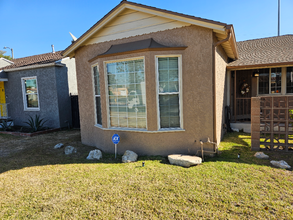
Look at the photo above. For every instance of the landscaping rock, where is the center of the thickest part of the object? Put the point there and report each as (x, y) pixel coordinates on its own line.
(69, 150)
(129, 156)
(261, 155)
(184, 160)
(281, 164)
(57, 146)
(235, 129)
(94, 154)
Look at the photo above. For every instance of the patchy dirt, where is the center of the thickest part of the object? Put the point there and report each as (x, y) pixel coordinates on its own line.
(10, 144)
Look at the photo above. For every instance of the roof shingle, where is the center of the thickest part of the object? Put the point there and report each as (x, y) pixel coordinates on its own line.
(35, 60)
(272, 50)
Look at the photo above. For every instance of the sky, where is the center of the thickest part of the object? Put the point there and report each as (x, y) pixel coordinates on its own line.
(30, 27)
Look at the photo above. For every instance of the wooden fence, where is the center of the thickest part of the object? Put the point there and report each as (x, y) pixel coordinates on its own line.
(272, 123)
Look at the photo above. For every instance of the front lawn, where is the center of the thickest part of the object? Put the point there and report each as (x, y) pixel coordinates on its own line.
(39, 182)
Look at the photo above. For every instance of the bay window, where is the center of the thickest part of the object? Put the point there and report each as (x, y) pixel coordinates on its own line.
(168, 70)
(126, 93)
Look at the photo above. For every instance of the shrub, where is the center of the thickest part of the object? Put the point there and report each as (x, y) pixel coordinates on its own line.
(36, 124)
(5, 125)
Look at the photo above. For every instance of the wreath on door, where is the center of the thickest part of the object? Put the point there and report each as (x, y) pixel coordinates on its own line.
(244, 89)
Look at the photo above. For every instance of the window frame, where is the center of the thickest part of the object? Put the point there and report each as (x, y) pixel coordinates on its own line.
(107, 93)
(286, 71)
(94, 94)
(270, 81)
(24, 94)
(180, 96)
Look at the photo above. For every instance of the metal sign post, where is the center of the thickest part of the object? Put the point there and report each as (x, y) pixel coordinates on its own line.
(115, 140)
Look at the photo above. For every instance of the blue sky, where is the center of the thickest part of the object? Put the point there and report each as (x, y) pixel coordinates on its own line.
(31, 26)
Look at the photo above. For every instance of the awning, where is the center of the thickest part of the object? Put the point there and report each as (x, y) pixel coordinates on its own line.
(136, 46)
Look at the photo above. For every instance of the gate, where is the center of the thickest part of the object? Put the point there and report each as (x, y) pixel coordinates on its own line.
(75, 111)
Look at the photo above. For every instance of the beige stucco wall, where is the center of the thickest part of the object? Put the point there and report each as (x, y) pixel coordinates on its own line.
(196, 98)
(221, 97)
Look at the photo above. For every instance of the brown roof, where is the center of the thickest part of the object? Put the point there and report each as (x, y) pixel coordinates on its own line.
(148, 7)
(34, 60)
(266, 51)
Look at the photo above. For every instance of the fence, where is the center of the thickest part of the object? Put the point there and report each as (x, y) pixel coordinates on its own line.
(272, 123)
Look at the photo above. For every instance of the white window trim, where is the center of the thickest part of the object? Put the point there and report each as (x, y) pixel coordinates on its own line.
(107, 95)
(180, 92)
(94, 94)
(24, 94)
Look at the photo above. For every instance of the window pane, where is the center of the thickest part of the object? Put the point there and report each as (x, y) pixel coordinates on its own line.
(127, 92)
(98, 110)
(30, 86)
(96, 80)
(97, 94)
(276, 80)
(263, 83)
(169, 111)
(289, 79)
(168, 74)
(32, 101)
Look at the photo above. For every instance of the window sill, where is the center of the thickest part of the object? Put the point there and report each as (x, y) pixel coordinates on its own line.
(162, 130)
(31, 110)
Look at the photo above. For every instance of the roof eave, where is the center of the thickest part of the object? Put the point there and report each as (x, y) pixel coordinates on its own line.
(33, 67)
(262, 65)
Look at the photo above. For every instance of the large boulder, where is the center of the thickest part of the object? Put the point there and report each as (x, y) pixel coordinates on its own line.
(129, 156)
(261, 155)
(57, 146)
(281, 164)
(94, 154)
(69, 150)
(184, 160)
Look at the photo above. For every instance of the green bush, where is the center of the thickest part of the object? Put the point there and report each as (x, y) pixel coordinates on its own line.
(36, 124)
(5, 125)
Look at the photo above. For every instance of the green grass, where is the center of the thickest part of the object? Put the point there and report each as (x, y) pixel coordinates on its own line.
(38, 182)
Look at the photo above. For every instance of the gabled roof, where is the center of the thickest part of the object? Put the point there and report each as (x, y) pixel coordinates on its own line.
(272, 51)
(41, 59)
(218, 27)
(6, 60)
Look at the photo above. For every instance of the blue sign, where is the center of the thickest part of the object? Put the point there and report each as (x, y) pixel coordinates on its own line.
(115, 139)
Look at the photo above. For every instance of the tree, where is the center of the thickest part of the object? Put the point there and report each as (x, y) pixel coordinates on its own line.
(2, 52)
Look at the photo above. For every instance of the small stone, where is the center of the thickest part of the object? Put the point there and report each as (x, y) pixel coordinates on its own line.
(57, 146)
(235, 129)
(261, 155)
(129, 156)
(94, 154)
(184, 160)
(69, 150)
(281, 164)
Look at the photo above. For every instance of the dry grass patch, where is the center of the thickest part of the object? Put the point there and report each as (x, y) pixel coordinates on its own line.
(42, 183)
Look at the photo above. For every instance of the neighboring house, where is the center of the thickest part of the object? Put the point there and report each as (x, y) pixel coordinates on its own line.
(265, 70)
(4, 62)
(38, 85)
(155, 77)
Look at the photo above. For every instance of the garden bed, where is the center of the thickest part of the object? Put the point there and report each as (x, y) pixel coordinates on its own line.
(26, 131)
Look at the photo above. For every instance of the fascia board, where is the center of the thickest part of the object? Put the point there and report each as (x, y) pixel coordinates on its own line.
(34, 67)
(214, 27)
(2, 58)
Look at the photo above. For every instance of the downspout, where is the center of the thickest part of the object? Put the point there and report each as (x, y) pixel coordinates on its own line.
(228, 29)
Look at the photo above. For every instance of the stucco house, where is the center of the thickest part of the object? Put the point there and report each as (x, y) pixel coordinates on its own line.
(41, 85)
(155, 77)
